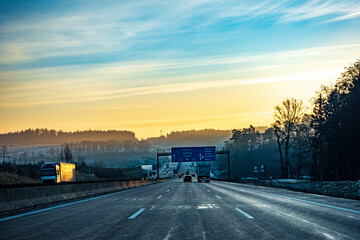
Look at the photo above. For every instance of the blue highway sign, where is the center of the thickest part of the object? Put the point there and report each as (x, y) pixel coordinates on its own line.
(193, 154)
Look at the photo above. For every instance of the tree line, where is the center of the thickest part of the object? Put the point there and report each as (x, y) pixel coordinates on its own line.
(321, 143)
(45, 136)
(114, 139)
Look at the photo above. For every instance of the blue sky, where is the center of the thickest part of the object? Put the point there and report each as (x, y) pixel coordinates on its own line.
(91, 52)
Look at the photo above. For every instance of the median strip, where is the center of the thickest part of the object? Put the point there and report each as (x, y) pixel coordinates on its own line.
(244, 213)
(137, 213)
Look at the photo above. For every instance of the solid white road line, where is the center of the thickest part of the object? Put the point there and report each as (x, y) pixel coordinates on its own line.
(218, 197)
(137, 213)
(244, 213)
(310, 202)
(65, 205)
(159, 197)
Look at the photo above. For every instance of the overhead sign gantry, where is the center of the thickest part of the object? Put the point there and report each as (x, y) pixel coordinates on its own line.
(193, 154)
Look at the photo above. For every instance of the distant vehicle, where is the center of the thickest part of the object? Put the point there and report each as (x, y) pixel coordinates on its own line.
(180, 176)
(187, 178)
(152, 174)
(203, 172)
(187, 172)
(193, 175)
(307, 177)
(57, 172)
(182, 173)
(146, 167)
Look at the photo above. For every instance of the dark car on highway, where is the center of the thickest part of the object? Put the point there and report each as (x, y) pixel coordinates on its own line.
(187, 178)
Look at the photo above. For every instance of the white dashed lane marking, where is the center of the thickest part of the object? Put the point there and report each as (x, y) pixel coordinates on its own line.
(244, 213)
(137, 213)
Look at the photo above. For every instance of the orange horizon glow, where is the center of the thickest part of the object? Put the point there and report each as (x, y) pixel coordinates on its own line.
(167, 66)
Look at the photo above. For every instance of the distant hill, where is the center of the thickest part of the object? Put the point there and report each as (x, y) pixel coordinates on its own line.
(193, 138)
(210, 137)
(45, 136)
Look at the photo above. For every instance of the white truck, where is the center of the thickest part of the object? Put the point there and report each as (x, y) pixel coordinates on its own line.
(57, 173)
(203, 172)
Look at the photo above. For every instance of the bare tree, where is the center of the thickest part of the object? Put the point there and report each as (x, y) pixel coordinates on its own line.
(287, 116)
(65, 154)
(4, 150)
(51, 153)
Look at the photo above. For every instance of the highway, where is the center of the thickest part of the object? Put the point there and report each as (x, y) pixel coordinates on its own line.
(177, 210)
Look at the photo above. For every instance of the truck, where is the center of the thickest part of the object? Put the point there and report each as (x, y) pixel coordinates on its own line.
(51, 173)
(203, 172)
(152, 175)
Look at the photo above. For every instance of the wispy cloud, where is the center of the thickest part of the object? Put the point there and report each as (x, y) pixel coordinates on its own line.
(114, 28)
(163, 89)
(122, 80)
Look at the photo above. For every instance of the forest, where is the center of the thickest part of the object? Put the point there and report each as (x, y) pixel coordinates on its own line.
(321, 143)
(108, 138)
(45, 136)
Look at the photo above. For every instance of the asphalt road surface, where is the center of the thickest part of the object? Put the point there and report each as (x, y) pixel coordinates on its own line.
(177, 210)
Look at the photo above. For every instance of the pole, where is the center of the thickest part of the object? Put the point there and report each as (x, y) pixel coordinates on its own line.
(228, 164)
(158, 167)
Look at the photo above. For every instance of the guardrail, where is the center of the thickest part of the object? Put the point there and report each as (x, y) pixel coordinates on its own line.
(19, 198)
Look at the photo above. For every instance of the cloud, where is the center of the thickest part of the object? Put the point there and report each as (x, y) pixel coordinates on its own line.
(163, 89)
(118, 26)
(102, 82)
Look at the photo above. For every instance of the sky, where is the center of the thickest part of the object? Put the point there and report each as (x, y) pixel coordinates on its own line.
(147, 66)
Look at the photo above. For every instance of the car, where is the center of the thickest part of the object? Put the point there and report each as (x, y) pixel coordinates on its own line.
(187, 178)
(193, 175)
(180, 176)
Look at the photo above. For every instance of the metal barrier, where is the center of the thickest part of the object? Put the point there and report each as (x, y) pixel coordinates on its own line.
(18, 198)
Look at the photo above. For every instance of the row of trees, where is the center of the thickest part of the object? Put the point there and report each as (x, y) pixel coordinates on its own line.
(335, 120)
(250, 148)
(322, 143)
(45, 136)
(111, 146)
(114, 137)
